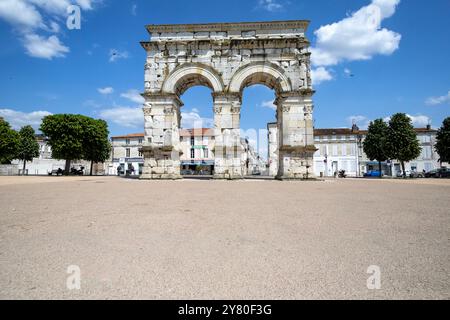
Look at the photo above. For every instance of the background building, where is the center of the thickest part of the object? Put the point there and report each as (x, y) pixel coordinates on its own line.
(342, 149)
(197, 151)
(197, 155)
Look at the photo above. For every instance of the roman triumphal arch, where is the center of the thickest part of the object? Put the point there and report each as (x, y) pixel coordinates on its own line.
(227, 57)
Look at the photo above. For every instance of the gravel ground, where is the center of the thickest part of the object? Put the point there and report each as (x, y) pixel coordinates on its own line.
(223, 240)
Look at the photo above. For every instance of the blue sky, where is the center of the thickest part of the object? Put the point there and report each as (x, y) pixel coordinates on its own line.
(400, 65)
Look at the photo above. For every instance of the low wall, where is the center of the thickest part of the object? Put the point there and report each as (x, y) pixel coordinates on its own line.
(9, 170)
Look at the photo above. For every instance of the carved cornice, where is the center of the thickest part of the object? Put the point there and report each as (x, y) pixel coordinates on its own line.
(223, 27)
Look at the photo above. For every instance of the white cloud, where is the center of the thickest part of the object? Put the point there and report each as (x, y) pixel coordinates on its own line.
(269, 104)
(434, 101)
(357, 37)
(21, 13)
(320, 74)
(29, 16)
(347, 72)
(18, 119)
(361, 121)
(193, 120)
(47, 48)
(134, 96)
(420, 120)
(134, 9)
(106, 90)
(115, 55)
(271, 5)
(129, 117)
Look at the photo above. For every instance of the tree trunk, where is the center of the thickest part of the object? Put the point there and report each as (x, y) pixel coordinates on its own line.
(92, 166)
(67, 169)
(403, 168)
(381, 172)
(24, 166)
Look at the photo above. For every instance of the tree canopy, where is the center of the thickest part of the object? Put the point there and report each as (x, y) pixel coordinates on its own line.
(28, 147)
(9, 141)
(75, 137)
(96, 144)
(443, 141)
(375, 142)
(402, 143)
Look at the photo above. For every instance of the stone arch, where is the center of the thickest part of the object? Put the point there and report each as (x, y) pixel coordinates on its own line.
(264, 73)
(192, 74)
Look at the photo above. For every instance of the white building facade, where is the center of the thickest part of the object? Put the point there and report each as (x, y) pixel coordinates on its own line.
(342, 149)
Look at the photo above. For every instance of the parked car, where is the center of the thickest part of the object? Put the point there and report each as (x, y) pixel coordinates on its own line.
(400, 173)
(443, 173)
(431, 174)
(372, 174)
(416, 174)
(57, 172)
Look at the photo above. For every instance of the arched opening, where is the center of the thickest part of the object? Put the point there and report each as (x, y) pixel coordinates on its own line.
(259, 85)
(196, 129)
(258, 117)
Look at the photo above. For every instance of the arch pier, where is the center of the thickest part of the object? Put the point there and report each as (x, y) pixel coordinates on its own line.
(227, 58)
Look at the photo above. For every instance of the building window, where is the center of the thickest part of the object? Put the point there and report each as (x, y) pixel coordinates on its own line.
(141, 140)
(127, 141)
(128, 152)
(192, 153)
(192, 141)
(140, 154)
(205, 153)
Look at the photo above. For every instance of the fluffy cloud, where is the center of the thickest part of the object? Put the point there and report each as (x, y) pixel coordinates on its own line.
(134, 96)
(47, 48)
(115, 55)
(128, 117)
(270, 5)
(434, 101)
(269, 104)
(18, 119)
(29, 17)
(106, 90)
(320, 74)
(420, 120)
(360, 36)
(361, 121)
(193, 120)
(20, 13)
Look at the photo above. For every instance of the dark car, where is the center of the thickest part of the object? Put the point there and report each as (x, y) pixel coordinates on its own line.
(431, 174)
(443, 173)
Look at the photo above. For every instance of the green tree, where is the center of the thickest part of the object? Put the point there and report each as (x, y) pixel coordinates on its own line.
(96, 144)
(402, 143)
(28, 146)
(443, 141)
(65, 134)
(375, 142)
(9, 142)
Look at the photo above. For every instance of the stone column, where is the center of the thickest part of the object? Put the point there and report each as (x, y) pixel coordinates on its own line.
(161, 148)
(296, 135)
(228, 148)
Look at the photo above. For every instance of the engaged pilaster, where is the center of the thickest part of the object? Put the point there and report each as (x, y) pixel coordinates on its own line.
(161, 148)
(228, 148)
(296, 136)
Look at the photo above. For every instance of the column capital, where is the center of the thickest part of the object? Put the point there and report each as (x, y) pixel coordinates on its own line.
(226, 96)
(158, 99)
